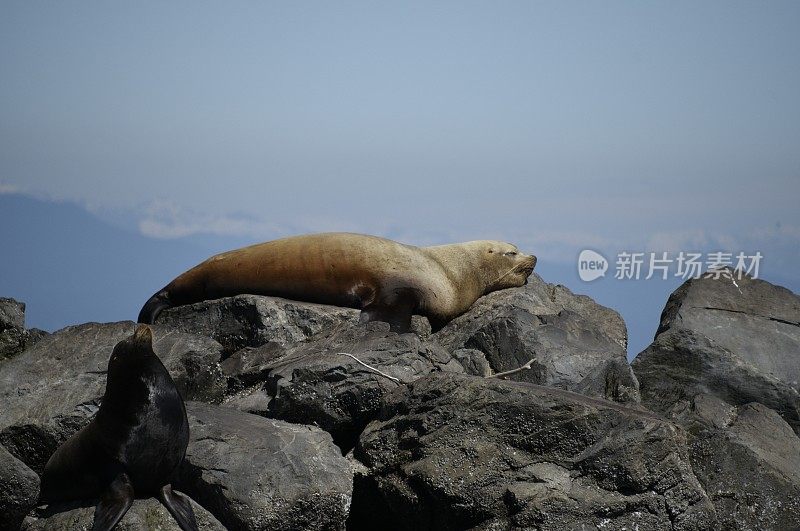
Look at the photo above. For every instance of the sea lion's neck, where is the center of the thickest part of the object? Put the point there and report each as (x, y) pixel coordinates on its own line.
(462, 267)
(128, 386)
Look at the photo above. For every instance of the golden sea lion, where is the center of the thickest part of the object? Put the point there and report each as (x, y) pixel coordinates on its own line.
(386, 280)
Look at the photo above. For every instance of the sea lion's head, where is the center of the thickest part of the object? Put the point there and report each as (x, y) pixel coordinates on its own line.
(138, 345)
(504, 266)
(123, 385)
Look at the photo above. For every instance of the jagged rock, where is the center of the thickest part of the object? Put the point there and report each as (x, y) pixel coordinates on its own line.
(458, 452)
(12, 342)
(748, 460)
(316, 382)
(54, 388)
(12, 313)
(473, 361)
(14, 338)
(577, 344)
(738, 339)
(254, 473)
(725, 365)
(145, 514)
(252, 320)
(19, 490)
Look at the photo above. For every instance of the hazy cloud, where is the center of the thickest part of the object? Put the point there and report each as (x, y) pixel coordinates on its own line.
(8, 188)
(167, 220)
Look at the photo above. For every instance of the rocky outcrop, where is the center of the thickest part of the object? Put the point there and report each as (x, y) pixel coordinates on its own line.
(457, 452)
(575, 343)
(19, 490)
(14, 338)
(748, 460)
(147, 514)
(252, 321)
(738, 340)
(262, 474)
(53, 389)
(725, 366)
(324, 381)
(278, 390)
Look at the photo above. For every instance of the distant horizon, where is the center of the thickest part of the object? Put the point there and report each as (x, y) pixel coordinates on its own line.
(117, 268)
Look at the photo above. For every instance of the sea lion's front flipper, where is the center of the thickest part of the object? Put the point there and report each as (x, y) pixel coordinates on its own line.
(116, 501)
(179, 507)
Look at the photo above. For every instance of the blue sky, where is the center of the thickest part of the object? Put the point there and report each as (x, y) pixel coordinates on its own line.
(555, 125)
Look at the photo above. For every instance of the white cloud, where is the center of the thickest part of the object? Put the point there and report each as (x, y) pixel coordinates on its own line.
(9, 189)
(165, 220)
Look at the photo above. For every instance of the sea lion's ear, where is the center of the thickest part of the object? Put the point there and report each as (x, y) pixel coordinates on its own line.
(143, 334)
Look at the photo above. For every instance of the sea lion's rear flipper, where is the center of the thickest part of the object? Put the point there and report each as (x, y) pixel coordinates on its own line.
(179, 507)
(116, 501)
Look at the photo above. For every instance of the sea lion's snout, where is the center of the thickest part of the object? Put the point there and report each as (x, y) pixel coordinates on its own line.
(528, 264)
(526, 267)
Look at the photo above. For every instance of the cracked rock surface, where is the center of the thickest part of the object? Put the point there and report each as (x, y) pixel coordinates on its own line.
(321, 382)
(725, 365)
(456, 452)
(263, 474)
(251, 320)
(737, 339)
(576, 344)
(748, 460)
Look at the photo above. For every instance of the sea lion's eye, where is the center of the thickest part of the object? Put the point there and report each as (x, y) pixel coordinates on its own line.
(511, 253)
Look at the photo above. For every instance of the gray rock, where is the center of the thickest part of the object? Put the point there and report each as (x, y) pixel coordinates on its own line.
(12, 313)
(748, 460)
(193, 363)
(252, 320)
(724, 364)
(144, 515)
(458, 452)
(14, 338)
(318, 382)
(19, 490)
(738, 341)
(12, 342)
(54, 388)
(473, 361)
(575, 343)
(254, 473)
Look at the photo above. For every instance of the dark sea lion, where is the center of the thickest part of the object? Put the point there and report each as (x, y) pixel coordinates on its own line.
(387, 280)
(133, 445)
